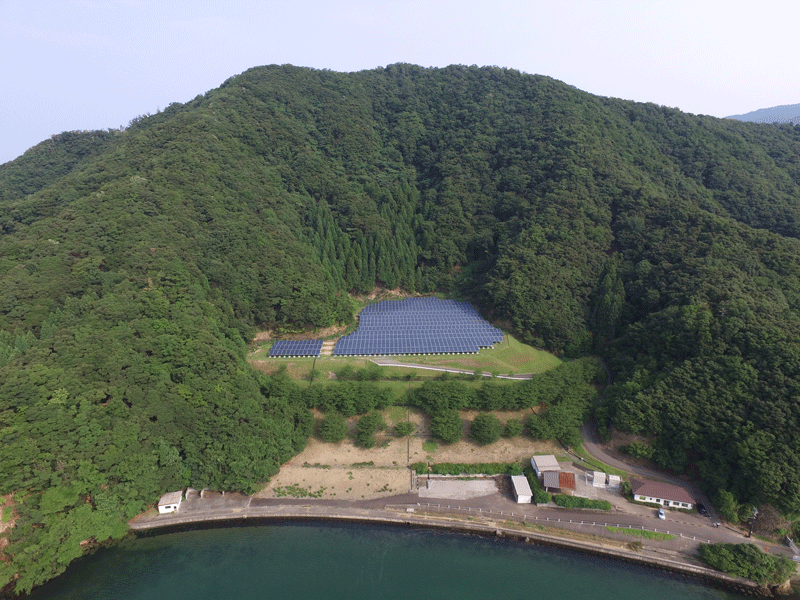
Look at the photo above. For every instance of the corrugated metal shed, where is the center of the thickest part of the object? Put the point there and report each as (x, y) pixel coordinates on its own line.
(550, 479)
(566, 480)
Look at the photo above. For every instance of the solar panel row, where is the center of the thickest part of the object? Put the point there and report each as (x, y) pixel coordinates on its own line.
(419, 326)
(295, 348)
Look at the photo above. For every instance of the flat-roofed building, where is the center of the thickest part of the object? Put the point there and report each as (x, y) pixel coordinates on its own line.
(522, 489)
(170, 502)
(544, 463)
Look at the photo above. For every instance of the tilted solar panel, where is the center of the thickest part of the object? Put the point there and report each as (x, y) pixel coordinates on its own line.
(425, 325)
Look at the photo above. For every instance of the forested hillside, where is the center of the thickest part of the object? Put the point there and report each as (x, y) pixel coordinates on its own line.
(135, 264)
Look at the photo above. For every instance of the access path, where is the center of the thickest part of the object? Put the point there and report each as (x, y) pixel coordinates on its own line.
(390, 362)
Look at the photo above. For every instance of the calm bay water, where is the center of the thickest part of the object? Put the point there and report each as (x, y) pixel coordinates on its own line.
(316, 561)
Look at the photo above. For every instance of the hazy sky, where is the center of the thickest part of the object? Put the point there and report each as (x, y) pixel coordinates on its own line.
(95, 64)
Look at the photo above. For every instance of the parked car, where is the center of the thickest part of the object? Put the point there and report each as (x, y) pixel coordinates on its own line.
(701, 508)
(661, 514)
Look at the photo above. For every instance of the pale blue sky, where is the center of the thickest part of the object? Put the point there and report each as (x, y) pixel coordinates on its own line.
(95, 64)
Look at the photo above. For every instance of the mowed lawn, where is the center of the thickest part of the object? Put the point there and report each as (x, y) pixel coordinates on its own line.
(508, 357)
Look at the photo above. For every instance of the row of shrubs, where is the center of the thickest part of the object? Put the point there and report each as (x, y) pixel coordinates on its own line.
(540, 496)
(333, 428)
(565, 501)
(468, 468)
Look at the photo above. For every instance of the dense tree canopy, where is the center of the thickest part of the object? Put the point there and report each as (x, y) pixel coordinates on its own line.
(134, 263)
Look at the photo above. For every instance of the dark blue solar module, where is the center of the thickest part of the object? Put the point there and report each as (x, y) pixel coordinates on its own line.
(295, 348)
(418, 326)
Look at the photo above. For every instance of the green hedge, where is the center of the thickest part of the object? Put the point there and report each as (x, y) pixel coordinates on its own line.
(469, 468)
(540, 496)
(578, 502)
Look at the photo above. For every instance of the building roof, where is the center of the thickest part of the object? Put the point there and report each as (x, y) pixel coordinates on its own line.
(170, 498)
(521, 485)
(659, 489)
(566, 480)
(599, 479)
(547, 462)
(550, 479)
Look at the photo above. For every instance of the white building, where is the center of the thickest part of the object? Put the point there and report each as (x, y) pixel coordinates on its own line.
(658, 492)
(546, 462)
(522, 489)
(170, 502)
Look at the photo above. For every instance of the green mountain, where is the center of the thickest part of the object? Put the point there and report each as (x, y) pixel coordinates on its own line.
(134, 265)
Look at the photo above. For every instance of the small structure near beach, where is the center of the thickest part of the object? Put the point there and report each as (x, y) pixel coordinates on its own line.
(170, 502)
(522, 489)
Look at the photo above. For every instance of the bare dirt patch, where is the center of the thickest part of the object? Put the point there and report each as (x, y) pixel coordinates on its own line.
(346, 472)
(316, 334)
(262, 336)
(7, 520)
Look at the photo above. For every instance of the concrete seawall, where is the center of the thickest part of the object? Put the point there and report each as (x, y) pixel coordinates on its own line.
(243, 513)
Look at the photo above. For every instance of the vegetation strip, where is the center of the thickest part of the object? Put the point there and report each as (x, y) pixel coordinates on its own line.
(642, 533)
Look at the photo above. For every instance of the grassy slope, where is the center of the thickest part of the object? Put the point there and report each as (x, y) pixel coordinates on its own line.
(511, 356)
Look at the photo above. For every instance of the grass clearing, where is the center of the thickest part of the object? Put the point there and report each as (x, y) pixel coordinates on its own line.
(509, 357)
(398, 413)
(430, 446)
(642, 533)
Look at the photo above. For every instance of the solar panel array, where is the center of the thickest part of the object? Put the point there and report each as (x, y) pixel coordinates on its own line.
(295, 348)
(418, 326)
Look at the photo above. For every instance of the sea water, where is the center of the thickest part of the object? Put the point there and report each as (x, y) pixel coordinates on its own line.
(313, 560)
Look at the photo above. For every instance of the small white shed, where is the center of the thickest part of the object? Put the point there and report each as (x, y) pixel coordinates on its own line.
(599, 479)
(170, 502)
(522, 489)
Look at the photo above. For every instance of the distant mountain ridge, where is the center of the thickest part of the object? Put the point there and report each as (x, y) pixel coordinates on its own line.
(786, 113)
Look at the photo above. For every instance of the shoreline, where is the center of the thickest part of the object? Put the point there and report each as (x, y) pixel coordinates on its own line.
(393, 517)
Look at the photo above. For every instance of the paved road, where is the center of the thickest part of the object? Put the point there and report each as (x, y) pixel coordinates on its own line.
(595, 447)
(390, 362)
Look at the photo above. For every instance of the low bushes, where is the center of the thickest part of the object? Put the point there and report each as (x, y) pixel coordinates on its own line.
(486, 429)
(367, 427)
(333, 428)
(747, 560)
(578, 502)
(469, 468)
(540, 496)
